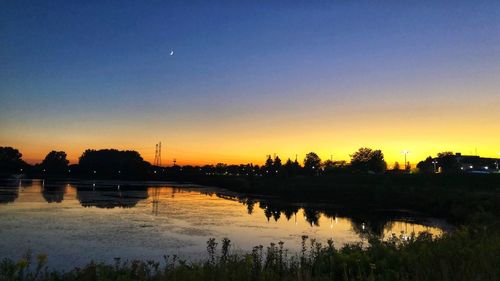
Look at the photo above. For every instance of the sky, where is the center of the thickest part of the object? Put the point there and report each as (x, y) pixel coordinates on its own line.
(250, 78)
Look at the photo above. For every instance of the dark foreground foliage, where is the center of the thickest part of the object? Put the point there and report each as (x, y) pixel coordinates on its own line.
(471, 253)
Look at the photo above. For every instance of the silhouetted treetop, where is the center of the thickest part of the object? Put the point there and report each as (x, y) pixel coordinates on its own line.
(55, 162)
(368, 160)
(312, 163)
(10, 160)
(112, 162)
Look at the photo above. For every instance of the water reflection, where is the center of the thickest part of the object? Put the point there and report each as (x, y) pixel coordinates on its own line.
(54, 193)
(110, 198)
(138, 219)
(364, 221)
(9, 191)
(108, 195)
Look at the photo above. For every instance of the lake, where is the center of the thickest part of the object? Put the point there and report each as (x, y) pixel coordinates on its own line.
(74, 222)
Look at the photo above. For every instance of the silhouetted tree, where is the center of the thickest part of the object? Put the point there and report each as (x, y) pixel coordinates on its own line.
(312, 163)
(426, 166)
(396, 166)
(408, 167)
(368, 160)
(10, 161)
(268, 166)
(112, 163)
(292, 168)
(328, 164)
(277, 165)
(55, 162)
(220, 168)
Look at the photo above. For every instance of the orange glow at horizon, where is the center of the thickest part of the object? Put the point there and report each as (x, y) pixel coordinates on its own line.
(250, 143)
(232, 134)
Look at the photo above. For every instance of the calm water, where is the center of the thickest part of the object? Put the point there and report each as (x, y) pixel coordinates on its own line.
(74, 222)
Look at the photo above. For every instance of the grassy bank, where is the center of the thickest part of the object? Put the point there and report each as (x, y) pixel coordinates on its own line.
(454, 197)
(466, 254)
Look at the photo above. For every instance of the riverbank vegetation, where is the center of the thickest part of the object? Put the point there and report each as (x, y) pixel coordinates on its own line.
(469, 253)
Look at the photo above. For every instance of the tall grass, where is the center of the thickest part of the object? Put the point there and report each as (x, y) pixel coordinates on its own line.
(469, 253)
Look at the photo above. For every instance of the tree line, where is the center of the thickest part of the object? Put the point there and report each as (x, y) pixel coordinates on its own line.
(112, 163)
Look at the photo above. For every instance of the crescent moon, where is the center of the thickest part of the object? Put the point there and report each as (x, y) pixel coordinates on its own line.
(171, 53)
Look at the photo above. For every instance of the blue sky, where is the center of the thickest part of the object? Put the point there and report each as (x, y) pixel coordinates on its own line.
(93, 66)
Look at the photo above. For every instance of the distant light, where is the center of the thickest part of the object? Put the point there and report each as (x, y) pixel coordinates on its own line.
(119, 172)
(486, 168)
(470, 167)
(69, 171)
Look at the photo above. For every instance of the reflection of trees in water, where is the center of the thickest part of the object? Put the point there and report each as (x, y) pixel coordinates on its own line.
(367, 228)
(364, 221)
(312, 216)
(54, 193)
(8, 194)
(270, 211)
(250, 204)
(111, 198)
(9, 191)
(275, 209)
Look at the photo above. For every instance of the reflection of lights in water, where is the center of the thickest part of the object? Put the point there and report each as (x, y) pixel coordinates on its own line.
(363, 226)
(336, 220)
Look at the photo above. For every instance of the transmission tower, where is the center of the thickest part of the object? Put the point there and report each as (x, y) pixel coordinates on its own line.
(157, 161)
(156, 155)
(159, 154)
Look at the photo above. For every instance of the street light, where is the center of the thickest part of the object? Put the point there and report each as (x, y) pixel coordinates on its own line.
(405, 152)
(434, 162)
